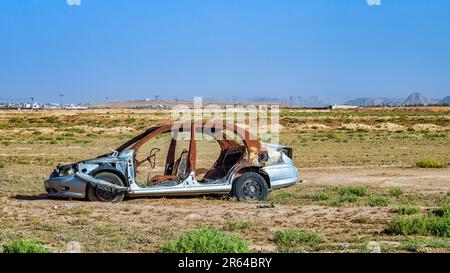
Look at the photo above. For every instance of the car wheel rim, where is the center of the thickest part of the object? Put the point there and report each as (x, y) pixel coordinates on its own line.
(252, 189)
(105, 194)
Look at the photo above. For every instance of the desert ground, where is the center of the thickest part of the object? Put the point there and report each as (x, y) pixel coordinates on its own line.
(366, 178)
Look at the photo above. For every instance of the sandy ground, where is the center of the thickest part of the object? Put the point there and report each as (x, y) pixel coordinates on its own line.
(336, 224)
(418, 180)
(428, 180)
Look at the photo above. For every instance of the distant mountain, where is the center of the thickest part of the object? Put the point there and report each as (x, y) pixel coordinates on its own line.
(312, 101)
(262, 99)
(445, 101)
(415, 99)
(380, 101)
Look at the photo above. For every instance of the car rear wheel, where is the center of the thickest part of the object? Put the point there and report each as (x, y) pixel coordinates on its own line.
(250, 186)
(105, 194)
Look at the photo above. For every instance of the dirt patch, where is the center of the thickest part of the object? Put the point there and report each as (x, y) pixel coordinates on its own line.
(391, 127)
(410, 178)
(427, 127)
(356, 126)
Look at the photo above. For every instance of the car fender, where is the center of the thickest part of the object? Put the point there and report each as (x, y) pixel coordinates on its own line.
(250, 168)
(111, 170)
(94, 181)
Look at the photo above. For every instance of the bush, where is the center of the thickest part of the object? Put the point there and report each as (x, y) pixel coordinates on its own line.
(51, 119)
(406, 225)
(349, 194)
(430, 164)
(414, 244)
(237, 224)
(282, 197)
(289, 240)
(379, 201)
(2, 164)
(24, 246)
(407, 210)
(436, 223)
(362, 219)
(410, 245)
(206, 240)
(396, 192)
(323, 196)
(434, 135)
(346, 198)
(359, 191)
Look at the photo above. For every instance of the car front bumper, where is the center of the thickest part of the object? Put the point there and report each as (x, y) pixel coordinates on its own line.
(65, 186)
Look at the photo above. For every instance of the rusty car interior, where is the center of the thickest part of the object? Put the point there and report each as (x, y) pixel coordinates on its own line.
(177, 158)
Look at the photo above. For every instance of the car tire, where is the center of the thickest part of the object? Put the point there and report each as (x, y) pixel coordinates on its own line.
(95, 193)
(250, 187)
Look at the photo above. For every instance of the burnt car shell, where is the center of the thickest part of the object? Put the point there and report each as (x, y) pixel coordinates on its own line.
(271, 163)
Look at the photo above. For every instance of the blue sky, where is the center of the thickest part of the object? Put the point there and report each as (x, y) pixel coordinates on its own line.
(133, 49)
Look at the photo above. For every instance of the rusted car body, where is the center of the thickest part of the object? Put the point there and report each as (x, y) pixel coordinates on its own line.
(247, 169)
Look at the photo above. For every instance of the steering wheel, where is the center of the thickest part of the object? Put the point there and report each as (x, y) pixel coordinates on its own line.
(151, 158)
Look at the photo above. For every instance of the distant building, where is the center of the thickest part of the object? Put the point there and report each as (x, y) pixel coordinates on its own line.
(343, 107)
(35, 106)
(75, 107)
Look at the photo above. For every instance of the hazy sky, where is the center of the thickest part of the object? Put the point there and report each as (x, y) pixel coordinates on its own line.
(128, 49)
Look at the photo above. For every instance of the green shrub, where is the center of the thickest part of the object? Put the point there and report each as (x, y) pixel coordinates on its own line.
(410, 245)
(396, 192)
(24, 246)
(237, 224)
(51, 119)
(290, 240)
(348, 194)
(346, 198)
(379, 201)
(359, 191)
(2, 164)
(439, 226)
(206, 240)
(362, 219)
(434, 135)
(332, 136)
(130, 120)
(430, 164)
(15, 120)
(323, 196)
(76, 130)
(436, 223)
(282, 197)
(415, 243)
(407, 210)
(406, 225)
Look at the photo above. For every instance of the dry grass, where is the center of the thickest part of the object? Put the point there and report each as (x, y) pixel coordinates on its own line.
(360, 179)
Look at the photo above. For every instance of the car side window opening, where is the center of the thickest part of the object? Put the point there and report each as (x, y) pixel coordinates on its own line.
(161, 159)
(229, 154)
(208, 151)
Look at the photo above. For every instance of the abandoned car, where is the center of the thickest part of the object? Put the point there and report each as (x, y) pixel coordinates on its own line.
(159, 162)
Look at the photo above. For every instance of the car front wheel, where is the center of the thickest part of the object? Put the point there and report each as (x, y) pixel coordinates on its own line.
(250, 186)
(105, 194)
